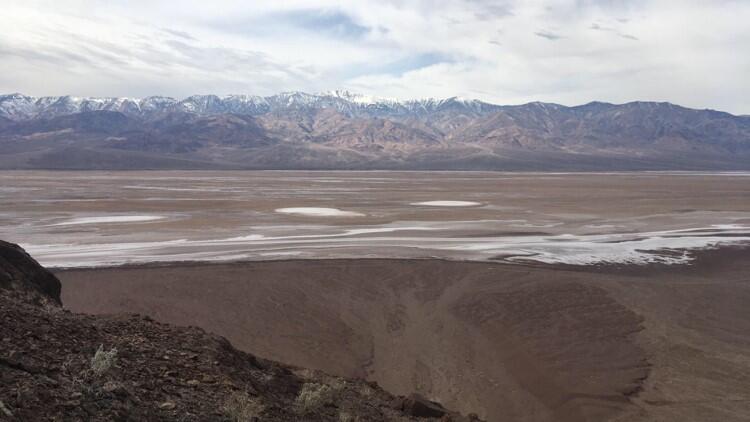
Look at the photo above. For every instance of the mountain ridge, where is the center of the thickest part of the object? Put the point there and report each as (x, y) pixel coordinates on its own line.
(341, 130)
(18, 106)
(33, 106)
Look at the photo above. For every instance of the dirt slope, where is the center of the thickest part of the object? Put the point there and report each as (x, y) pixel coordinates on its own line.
(57, 365)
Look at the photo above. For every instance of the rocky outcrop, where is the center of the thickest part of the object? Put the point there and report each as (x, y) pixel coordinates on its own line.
(419, 406)
(57, 365)
(21, 275)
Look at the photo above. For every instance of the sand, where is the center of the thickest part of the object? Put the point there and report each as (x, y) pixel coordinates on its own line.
(510, 342)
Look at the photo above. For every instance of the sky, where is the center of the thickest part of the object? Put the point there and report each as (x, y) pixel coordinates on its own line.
(693, 53)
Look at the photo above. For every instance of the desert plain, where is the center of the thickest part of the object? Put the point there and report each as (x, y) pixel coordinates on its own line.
(517, 296)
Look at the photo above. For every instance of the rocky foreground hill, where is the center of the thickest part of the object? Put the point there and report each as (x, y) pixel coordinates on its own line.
(340, 130)
(57, 365)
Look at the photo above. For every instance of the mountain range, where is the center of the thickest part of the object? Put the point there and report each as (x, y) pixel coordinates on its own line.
(341, 130)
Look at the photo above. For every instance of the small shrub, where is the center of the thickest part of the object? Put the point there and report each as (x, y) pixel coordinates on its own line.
(337, 384)
(305, 373)
(345, 416)
(5, 411)
(366, 391)
(103, 361)
(240, 407)
(313, 396)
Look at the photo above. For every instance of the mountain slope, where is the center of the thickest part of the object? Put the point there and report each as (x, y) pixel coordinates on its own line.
(341, 130)
(56, 365)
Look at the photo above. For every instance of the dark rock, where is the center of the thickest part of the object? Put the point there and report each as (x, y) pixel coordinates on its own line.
(21, 273)
(416, 405)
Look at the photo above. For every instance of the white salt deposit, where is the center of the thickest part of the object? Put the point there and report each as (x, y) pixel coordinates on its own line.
(110, 219)
(319, 212)
(447, 203)
(663, 247)
(288, 253)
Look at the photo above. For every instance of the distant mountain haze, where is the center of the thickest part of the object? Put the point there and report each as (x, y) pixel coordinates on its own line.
(340, 130)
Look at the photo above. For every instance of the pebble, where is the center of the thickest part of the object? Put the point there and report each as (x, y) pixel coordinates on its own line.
(167, 405)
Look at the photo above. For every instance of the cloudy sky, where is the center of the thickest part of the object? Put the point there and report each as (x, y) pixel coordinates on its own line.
(695, 53)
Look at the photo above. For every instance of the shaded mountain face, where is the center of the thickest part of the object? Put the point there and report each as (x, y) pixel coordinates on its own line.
(57, 365)
(340, 130)
(24, 279)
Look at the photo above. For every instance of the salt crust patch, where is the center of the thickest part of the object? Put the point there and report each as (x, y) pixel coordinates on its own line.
(319, 212)
(110, 219)
(657, 247)
(447, 203)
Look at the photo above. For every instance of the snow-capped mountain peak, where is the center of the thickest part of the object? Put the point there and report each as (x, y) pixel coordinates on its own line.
(20, 107)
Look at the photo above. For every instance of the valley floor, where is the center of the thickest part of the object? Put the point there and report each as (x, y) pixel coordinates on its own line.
(509, 342)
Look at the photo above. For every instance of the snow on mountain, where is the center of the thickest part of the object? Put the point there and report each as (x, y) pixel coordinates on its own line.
(340, 129)
(16, 106)
(21, 107)
(156, 103)
(355, 97)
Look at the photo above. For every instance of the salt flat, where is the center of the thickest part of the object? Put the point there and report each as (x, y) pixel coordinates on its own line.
(550, 300)
(110, 219)
(319, 212)
(663, 247)
(447, 203)
(75, 219)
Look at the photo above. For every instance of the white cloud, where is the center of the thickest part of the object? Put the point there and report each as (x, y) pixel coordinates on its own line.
(693, 53)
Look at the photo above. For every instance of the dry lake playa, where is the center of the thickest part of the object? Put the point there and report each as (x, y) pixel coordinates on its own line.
(518, 296)
(84, 219)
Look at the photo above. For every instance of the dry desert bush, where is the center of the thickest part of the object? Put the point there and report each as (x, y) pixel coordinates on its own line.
(313, 396)
(103, 360)
(240, 407)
